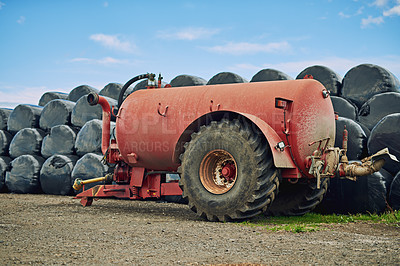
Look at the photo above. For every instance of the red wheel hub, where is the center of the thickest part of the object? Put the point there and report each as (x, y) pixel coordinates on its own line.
(229, 171)
(218, 171)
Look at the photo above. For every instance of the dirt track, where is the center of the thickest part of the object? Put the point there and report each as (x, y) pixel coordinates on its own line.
(43, 229)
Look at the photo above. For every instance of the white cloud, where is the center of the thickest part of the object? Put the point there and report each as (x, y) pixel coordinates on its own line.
(113, 42)
(365, 22)
(380, 3)
(102, 61)
(1, 5)
(188, 34)
(21, 20)
(358, 12)
(343, 15)
(394, 11)
(251, 48)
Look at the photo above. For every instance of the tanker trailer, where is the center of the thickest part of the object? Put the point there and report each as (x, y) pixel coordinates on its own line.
(240, 149)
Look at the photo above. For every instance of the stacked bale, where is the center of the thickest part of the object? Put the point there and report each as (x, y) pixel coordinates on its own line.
(60, 140)
(226, 78)
(24, 116)
(80, 91)
(379, 106)
(4, 114)
(52, 95)
(24, 171)
(187, 80)
(29, 132)
(345, 108)
(329, 78)
(4, 167)
(270, 74)
(26, 141)
(89, 166)
(394, 193)
(387, 134)
(368, 94)
(89, 138)
(366, 80)
(111, 90)
(5, 140)
(23, 177)
(56, 112)
(84, 112)
(55, 174)
(357, 139)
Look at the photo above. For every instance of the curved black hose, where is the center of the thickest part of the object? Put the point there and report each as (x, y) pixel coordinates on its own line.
(126, 86)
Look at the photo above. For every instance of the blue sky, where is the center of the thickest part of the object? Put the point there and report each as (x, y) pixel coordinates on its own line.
(48, 45)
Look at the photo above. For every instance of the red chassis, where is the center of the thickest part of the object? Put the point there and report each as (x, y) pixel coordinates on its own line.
(141, 186)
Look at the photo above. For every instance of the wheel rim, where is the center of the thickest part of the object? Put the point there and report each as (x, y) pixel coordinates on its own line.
(218, 171)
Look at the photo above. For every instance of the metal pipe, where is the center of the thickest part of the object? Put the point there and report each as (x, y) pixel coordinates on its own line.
(78, 184)
(93, 99)
(356, 169)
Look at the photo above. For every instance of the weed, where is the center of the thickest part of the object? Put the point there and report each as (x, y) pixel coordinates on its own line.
(313, 221)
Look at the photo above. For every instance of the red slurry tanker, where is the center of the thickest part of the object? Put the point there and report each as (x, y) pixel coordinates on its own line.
(240, 149)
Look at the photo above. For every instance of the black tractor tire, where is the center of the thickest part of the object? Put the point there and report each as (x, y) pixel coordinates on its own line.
(246, 193)
(298, 199)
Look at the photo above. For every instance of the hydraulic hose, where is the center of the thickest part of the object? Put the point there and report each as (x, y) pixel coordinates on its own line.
(126, 86)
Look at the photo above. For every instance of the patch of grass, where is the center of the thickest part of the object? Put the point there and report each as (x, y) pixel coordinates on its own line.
(313, 221)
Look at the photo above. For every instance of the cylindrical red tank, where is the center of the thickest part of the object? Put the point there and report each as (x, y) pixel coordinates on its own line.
(150, 122)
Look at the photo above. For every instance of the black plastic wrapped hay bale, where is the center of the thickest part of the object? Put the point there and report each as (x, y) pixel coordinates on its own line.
(4, 167)
(329, 78)
(60, 140)
(56, 112)
(4, 114)
(88, 167)
(394, 193)
(226, 78)
(378, 107)
(387, 134)
(89, 138)
(80, 91)
(111, 90)
(366, 80)
(344, 108)
(26, 141)
(357, 139)
(52, 95)
(366, 195)
(24, 174)
(24, 116)
(366, 130)
(270, 74)
(55, 175)
(83, 112)
(187, 80)
(388, 177)
(5, 140)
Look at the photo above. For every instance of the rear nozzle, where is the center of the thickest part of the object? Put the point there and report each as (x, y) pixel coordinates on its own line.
(93, 98)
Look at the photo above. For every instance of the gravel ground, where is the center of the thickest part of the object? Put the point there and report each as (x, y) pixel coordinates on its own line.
(44, 229)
